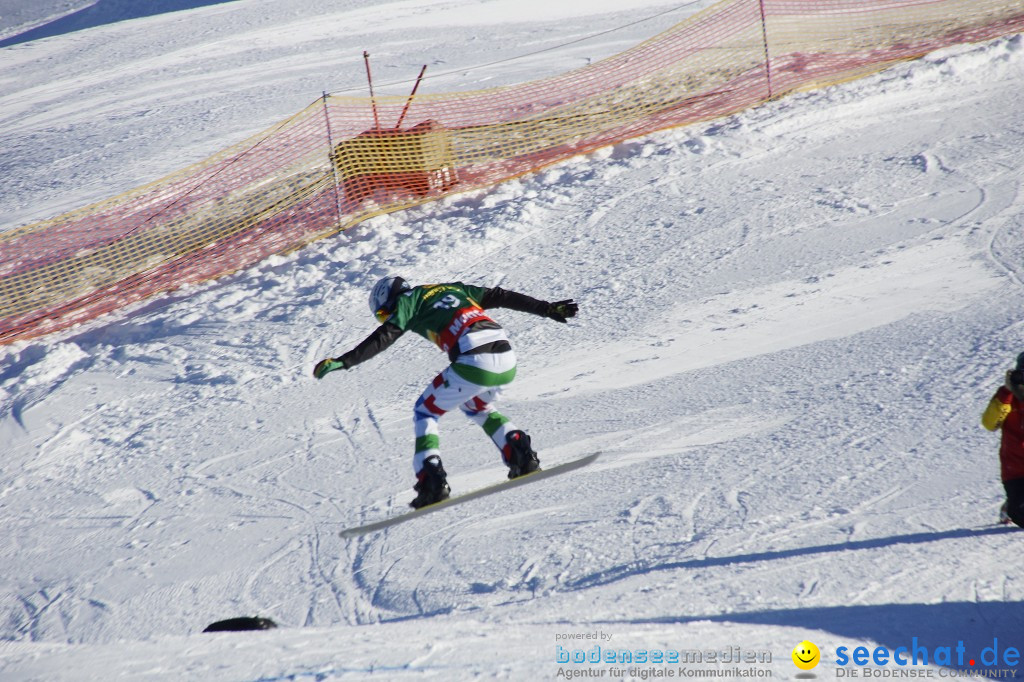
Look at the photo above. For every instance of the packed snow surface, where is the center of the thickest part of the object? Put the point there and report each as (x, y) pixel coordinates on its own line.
(790, 322)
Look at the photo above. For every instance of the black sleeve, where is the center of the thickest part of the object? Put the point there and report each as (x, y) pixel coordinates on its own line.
(500, 298)
(382, 337)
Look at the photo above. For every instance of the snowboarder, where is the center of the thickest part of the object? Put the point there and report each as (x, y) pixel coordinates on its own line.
(1006, 410)
(482, 362)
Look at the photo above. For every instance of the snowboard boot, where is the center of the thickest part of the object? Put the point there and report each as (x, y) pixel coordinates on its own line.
(431, 483)
(520, 457)
(1004, 517)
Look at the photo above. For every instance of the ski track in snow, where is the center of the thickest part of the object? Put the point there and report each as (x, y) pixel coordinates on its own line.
(790, 322)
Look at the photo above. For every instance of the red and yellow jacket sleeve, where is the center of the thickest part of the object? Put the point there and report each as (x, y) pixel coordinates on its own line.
(998, 409)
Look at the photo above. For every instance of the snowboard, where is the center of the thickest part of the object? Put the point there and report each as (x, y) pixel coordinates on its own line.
(472, 495)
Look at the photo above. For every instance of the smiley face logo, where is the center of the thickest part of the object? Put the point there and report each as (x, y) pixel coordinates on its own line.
(806, 655)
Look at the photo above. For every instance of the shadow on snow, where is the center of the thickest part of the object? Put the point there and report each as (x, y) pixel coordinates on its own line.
(976, 624)
(104, 12)
(624, 571)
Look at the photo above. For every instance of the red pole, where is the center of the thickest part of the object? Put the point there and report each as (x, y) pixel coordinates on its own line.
(373, 101)
(412, 94)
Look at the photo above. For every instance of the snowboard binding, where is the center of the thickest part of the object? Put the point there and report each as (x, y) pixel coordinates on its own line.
(431, 484)
(519, 456)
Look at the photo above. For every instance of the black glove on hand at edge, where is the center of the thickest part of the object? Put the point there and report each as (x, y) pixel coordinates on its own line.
(560, 311)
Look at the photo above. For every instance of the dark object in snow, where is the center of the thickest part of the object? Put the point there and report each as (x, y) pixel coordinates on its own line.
(240, 624)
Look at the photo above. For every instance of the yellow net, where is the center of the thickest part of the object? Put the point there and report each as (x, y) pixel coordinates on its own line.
(343, 159)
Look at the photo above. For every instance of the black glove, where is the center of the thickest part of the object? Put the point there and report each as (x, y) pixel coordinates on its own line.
(561, 310)
(328, 365)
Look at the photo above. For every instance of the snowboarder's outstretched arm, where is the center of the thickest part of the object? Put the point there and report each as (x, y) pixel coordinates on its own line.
(497, 297)
(381, 338)
(408, 312)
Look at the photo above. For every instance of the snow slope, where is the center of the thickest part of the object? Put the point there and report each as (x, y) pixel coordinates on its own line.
(790, 322)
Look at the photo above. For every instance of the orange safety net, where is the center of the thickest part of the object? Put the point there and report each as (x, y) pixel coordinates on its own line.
(344, 159)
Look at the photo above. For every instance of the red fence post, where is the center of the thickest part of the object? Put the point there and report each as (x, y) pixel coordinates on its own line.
(405, 110)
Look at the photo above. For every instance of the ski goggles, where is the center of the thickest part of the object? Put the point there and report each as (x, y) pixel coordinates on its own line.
(383, 314)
